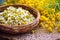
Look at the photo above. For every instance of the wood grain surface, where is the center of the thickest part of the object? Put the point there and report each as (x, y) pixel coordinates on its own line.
(40, 34)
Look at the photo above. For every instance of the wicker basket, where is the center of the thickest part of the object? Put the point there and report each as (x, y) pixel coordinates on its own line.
(21, 28)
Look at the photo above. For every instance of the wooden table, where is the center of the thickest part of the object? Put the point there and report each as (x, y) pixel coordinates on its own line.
(40, 34)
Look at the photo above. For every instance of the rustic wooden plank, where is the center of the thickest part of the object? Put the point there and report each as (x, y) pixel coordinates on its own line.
(40, 34)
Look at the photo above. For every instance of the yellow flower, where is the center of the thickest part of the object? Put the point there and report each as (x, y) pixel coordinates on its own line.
(53, 10)
(12, 18)
(33, 31)
(19, 19)
(41, 24)
(46, 25)
(15, 14)
(23, 22)
(51, 25)
(50, 29)
(53, 19)
(43, 18)
(5, 3)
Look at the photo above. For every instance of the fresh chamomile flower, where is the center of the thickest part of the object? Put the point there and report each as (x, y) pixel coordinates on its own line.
(16, 16)
(19, 9)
